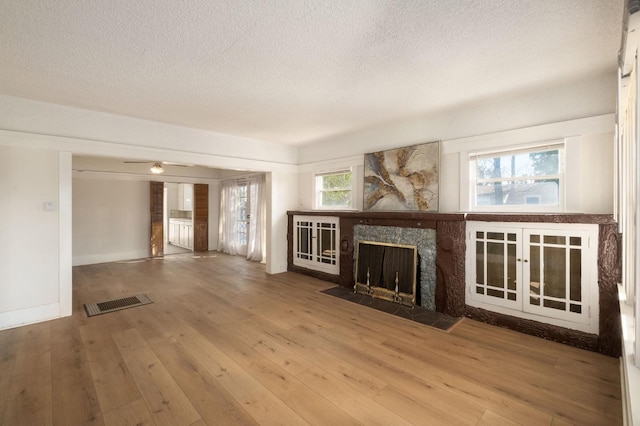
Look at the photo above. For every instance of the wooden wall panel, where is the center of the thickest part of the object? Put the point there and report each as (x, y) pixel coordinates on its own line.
(156, 207)
(201, 217)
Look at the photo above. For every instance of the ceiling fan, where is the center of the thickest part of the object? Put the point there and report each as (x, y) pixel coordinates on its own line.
(156, 167)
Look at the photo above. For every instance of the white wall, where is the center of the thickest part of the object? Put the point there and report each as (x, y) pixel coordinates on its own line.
(172, 196)
(137, 135)
(282, 195)
(586, 97)
(33, 284)
(111, 220)
(589, 179)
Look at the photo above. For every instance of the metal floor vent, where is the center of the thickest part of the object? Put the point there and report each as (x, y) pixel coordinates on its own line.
(116, 305)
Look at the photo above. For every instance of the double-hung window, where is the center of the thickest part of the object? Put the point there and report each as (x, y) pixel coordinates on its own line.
(334, 190)
(530, 179)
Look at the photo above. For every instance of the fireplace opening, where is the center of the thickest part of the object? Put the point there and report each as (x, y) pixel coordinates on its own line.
(387, 271)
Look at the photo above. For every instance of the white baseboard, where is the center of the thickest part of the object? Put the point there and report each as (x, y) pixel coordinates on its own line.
(20, 317)
(109, 257)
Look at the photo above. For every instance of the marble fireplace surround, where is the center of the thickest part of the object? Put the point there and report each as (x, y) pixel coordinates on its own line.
(423, 239)
(449, 294)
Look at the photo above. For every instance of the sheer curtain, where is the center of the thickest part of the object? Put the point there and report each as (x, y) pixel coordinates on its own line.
(256, 244)
(228, 239)
(228, 227)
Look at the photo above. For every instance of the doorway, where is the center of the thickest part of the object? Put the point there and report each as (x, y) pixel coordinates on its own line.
(179, 218)
(242, 217)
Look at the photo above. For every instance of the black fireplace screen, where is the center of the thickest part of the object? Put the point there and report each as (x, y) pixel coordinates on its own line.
(387, 271)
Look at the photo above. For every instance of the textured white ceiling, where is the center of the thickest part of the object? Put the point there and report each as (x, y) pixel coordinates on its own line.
(293, 71)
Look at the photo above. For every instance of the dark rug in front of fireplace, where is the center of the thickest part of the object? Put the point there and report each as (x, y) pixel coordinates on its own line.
(417, 314)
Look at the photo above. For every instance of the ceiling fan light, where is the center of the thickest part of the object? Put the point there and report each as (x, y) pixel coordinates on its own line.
(157, 168)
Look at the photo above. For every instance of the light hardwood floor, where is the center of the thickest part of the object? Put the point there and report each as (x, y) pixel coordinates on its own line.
(225, 343)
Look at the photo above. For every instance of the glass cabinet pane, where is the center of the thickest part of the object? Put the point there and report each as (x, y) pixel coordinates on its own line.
(555, 272)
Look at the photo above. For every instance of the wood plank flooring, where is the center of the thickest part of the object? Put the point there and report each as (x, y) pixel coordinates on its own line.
(226, 344)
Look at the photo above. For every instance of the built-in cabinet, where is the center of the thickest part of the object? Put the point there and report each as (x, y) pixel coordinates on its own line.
(546, 272)
(181, 233)
(185, 196)
(315, 243)
(554, 276)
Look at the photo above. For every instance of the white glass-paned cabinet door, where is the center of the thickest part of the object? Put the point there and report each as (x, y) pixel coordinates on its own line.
(315, 243)
(558, 267)
(495, 275)
(545, 272)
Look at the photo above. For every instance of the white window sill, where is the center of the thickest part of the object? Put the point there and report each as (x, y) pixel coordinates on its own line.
(630, 374)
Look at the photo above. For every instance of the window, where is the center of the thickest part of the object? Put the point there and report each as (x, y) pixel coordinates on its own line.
(334, 190)
(543, 272)
(518, 180)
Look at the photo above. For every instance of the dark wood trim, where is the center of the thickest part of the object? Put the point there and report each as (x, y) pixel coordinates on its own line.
(156, 207)
(200, 217)
(596, 219)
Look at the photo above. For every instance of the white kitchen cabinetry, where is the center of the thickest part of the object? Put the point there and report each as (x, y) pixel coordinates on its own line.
(181, 233)
(315, 243)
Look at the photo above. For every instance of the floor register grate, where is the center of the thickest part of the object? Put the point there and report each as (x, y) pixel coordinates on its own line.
(93, 309)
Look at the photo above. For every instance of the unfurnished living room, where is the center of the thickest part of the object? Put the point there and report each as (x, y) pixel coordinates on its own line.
(319, 212)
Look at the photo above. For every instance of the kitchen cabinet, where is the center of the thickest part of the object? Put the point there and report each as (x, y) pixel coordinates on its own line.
(181, 233)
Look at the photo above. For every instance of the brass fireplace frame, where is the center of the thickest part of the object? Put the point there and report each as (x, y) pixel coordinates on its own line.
(392, 295)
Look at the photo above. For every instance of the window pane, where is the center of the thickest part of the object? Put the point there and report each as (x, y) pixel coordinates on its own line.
(495, 293)
(336, 198)
(554, 239)
(554, 304)
(513, 193)
(511, 267)
(334, 190)
(534, 270)
(480, 262)
(555, 272)
(575, 275)
(495, 264)
(522, 164)
(519, 178)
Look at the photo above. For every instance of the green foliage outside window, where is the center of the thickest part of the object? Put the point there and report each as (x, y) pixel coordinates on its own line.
(335, 190)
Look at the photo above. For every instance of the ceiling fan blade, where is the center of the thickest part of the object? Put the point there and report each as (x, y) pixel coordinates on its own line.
(169, 163)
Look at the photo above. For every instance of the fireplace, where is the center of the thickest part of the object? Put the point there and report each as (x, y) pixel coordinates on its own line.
(419, 241)
(387, 271)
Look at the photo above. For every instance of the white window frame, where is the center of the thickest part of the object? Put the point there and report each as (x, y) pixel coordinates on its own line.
(528, 148)
(587, 321)
(317, 189)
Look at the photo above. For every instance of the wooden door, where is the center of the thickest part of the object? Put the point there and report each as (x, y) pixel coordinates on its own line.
(156, 208)
(201, 217)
